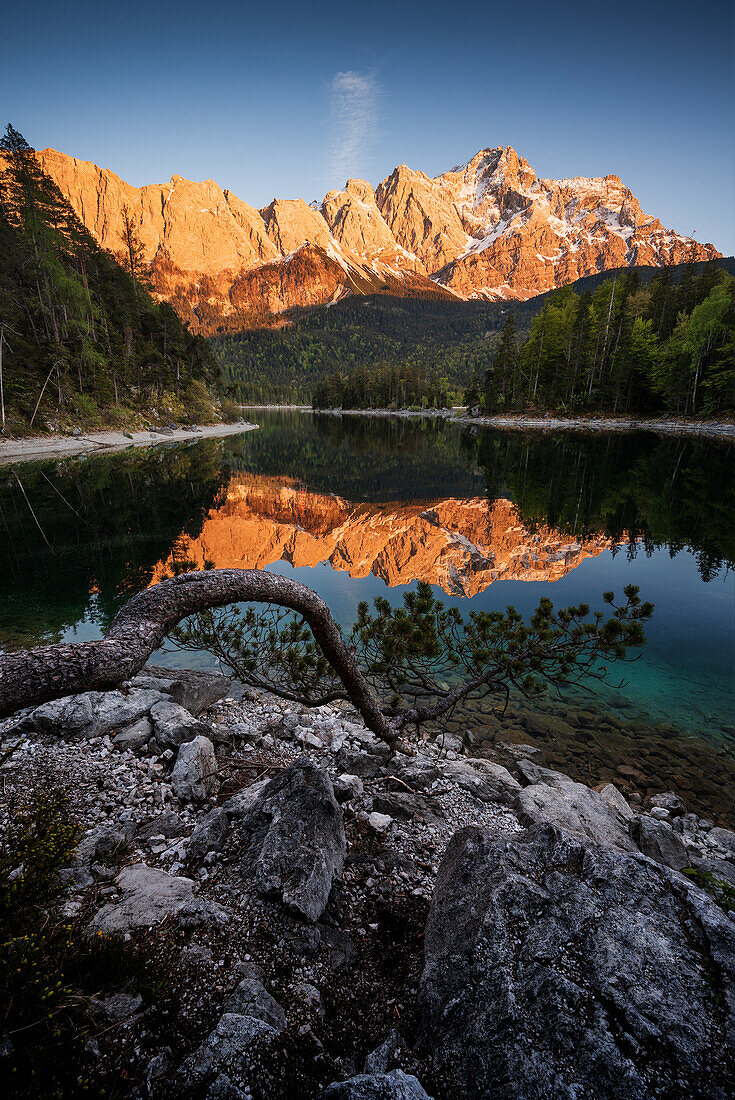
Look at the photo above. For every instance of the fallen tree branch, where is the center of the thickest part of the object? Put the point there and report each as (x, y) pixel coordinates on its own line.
(34, 676)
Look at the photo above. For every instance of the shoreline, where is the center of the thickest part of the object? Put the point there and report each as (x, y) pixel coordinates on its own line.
(713, 429)
(43, 446)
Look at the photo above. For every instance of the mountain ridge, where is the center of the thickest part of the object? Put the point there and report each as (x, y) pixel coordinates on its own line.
(488, 229)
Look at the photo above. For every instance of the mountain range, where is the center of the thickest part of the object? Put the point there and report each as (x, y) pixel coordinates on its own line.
(488, 229)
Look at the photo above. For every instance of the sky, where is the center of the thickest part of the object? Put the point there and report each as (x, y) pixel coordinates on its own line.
(290, 99)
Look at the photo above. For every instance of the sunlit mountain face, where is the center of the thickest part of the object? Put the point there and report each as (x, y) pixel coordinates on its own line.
(460, 545)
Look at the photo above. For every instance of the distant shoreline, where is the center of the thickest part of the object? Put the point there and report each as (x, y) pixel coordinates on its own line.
(102, 442)
(713, 429)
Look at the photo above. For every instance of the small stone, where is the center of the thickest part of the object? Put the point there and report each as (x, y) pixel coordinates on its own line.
(379, 822)
(347, 787)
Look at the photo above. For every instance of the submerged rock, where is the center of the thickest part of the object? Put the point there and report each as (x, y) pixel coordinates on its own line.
(559, 969)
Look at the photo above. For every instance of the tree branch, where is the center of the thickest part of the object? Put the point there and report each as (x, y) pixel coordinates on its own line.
(34, 676)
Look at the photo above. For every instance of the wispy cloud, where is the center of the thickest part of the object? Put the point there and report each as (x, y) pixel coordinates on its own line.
(355, 99)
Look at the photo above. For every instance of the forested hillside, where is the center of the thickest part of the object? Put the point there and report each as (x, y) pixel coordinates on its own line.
(81, 338)
(383, 351)
(626, 347)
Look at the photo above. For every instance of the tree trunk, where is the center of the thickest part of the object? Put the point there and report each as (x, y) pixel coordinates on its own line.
(34, 676)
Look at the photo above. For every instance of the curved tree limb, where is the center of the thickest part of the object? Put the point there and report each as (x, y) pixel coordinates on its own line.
(34, 676)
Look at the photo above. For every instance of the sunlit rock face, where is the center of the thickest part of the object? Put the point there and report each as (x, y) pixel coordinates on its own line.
(461, 546)
(490, 228)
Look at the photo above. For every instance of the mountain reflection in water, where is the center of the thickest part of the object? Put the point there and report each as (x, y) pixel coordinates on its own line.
(461, 545)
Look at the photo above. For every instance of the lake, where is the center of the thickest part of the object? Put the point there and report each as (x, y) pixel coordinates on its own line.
(358, 507)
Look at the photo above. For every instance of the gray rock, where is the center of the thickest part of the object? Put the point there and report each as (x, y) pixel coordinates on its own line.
(379, 822)
(415, 771)
(209, 834)
(227, 1048)
(194, 777)
(359, 763)
(71, 717)
(93, 713)
(384, 1057)
(574, 808)
(409, 807)
(239, 805)
(135, 736)
(558, 969)
(721, 869)
(658, 840)
(148, 895)
(616, 801)
(224, 1089)
(200, 912)
(294, 839)
(667, 800)
(117, 1007)
(346, 787)
(174, 726)
(487, 781)
(724, 838)
(251, 998)
(167, 824)
(191, 688)
(395, 1085)
(310, 996)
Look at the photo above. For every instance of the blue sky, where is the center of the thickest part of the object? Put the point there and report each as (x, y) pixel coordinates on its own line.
(289, 99)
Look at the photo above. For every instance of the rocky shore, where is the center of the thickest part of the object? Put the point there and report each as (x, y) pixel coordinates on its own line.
(325, 919)
(30, 448)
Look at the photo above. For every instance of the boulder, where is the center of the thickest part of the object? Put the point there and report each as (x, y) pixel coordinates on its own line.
(148, 895)
(93, 713)
(174, 726)
(135, 736)
(209, 834)
(395, 1085)
(194, 777)
(409, 807)
(167, 824)
(240, 803)
(615, 800)
(723, 838)
(667, 800)
(384, 1056)
(251, 998)
(482, 778)
(192, 689)
(415, 771)
(658, 840)
(559, 969)
(294, 839)
(229, 1047)
(582, 813)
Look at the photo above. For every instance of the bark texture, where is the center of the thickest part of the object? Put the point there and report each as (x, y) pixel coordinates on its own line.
(34, 676)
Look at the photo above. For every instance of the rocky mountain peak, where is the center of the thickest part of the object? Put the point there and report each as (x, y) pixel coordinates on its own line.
(489, 228)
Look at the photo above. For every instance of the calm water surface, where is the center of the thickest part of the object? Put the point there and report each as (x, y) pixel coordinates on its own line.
(357, 507)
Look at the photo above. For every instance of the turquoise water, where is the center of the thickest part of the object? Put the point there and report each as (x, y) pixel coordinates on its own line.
(102, 526)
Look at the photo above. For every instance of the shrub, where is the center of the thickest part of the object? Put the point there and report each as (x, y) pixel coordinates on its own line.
(197, 402)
